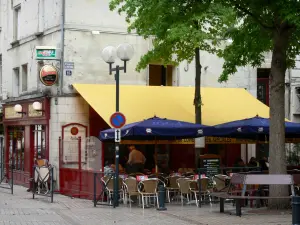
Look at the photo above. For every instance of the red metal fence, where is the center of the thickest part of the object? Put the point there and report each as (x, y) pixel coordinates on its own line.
(76, 179)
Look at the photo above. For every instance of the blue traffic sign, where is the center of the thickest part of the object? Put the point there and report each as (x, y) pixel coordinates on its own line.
(117, 120)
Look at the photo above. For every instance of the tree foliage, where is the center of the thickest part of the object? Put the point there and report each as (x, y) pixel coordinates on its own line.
(254, 31)
(176, 27)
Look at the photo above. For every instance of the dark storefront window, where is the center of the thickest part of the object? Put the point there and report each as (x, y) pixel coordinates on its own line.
(16, 146)
(40, 141)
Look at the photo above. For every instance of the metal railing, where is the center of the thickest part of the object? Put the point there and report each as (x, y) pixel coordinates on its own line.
(211, 172)
(40, 182)
(101, 186)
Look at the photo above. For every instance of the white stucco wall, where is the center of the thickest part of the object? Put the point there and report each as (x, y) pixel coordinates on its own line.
(64, 111)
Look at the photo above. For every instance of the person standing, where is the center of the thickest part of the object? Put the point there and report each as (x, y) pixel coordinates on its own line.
(136, 160)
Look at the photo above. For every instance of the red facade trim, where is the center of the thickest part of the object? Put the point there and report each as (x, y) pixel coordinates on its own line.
(27, 122)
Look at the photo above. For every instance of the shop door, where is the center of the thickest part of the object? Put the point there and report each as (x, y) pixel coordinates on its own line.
(16, 155)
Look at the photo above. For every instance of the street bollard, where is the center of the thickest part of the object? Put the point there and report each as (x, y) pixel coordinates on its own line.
(296, 210)
(161, 198)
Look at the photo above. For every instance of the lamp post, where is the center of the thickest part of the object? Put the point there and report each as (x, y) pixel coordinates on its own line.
(109, 55)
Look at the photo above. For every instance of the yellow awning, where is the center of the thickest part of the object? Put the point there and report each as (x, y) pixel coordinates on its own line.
(137, 103)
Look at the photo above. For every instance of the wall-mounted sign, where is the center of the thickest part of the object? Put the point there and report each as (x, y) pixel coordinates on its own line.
(68, 68)
(48, 75)
(68, 72)
(10, 113)
(74, 131)
(33, 113)
(46, 52)
(70, 145)
(69, 65)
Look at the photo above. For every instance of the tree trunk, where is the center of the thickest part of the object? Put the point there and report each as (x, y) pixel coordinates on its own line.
(197, 97)
(277, 153)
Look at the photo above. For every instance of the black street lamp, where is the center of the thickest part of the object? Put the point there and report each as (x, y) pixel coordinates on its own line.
(109, 55)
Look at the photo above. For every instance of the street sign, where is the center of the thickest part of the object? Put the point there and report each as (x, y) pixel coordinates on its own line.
(117, 120)
(68, 72)
(69, 65)
(117, 135)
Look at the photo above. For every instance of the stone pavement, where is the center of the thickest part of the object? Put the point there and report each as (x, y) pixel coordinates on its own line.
(21, 209)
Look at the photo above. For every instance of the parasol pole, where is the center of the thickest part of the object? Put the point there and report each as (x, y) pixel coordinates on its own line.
(155, 152)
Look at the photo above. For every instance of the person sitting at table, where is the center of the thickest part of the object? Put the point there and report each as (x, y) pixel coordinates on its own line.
(239, 164)
(253, 163)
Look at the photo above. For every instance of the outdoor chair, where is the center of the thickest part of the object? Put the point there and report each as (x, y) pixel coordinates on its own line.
(131, 189)
(173, 186)
(148, 189)
(184, 188)
(193, 185)
(220, 182)
(41, 177)
(109, 184)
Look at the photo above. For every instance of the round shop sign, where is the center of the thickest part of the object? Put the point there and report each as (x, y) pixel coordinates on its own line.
(48, 75)
(74, 131)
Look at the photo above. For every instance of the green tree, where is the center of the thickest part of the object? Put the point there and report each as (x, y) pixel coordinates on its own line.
(179, 29)
(265, 26)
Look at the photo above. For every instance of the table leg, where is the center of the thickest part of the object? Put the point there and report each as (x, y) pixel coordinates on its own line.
(222, 205)
(238, 207)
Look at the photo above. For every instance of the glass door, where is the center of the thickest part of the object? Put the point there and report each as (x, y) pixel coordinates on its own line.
(16, 146)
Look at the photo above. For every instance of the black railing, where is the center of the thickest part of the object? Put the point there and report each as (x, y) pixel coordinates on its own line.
(103, 179)
(41, 182)
(212, 171)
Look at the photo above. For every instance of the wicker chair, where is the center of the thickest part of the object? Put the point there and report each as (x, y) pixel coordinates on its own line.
(193, 185)
(173, 186)
(184, 188)
(109, 183)
(147, 189)
(131, 189)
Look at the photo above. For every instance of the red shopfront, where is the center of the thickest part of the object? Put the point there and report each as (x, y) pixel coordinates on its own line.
(26, 136)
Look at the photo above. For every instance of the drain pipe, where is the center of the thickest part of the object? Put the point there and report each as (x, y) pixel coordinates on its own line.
(62, 44)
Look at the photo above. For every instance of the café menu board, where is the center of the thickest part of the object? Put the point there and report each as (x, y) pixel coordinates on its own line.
(212, 166)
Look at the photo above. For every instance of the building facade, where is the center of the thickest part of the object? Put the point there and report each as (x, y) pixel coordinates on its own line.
(79, 40)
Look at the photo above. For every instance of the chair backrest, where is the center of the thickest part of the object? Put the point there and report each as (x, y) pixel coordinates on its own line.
(44, 174)
(268, 179)
(204, 184)
(173, 181)
(219, 181)
(131, 184)
(183, 184)
(150, 185)
(193, 185)
(110, 182)
(41, 174)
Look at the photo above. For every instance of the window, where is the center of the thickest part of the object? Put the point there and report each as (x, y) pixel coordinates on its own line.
(16, 82)
(263, 85)
(16, 147)
(16, 22)
(24, 77)
(160, 75)
(40, 141)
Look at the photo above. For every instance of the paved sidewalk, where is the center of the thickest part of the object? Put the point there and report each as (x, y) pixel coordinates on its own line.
(20, 208)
